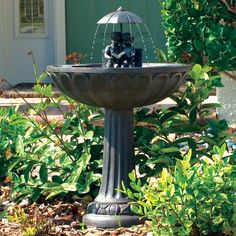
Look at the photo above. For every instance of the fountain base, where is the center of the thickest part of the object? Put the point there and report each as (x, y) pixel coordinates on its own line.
(112, 221)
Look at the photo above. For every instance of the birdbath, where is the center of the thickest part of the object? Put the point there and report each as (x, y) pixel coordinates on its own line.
(118, 88)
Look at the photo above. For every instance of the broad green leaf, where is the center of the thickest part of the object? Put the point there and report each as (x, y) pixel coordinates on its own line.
(164, 175)
(218, 180)
(187, 156)
(43, 76)
(89, 135)
(170, 149)
(38, 88)
(179, 167)
(69, 187)
(48, 90)
(136, 209)
(43, 173)
(83, 188)
(15, 178)
(85, 158)
(57, 179)
(196, 72)
(170, 190)
(130, 194)
(50, 185)
(75, 174)
(55, 191)
(132, 176)
(134, 186)
(27, 171)
(3, 213)
(36, 193)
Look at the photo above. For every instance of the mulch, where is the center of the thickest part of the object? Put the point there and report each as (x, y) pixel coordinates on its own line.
(58, 218)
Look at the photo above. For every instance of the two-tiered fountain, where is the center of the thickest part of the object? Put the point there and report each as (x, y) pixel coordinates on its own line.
(121, 83)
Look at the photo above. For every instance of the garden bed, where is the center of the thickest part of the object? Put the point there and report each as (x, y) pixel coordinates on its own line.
(39, 163)
(62, 217)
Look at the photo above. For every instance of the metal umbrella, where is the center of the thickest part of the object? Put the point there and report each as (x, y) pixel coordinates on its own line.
(120, 16)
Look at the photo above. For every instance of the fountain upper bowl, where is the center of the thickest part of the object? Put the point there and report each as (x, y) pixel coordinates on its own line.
(119, 88)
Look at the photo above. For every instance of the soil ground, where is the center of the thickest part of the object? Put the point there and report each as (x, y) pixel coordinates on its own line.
(58, 218)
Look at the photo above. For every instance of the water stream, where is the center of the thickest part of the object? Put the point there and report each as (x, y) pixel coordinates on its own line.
(144, 43)
(94, 42)
(152, 41)
(104, 36)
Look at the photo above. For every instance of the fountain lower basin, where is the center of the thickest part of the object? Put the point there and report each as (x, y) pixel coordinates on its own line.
(118, 90)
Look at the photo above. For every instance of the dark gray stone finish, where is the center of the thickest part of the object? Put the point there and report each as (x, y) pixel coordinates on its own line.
(118, 90)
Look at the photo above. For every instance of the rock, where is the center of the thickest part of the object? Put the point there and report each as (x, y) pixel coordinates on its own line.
(24, 202)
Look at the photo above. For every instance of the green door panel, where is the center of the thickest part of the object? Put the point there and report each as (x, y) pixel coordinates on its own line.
(81, 24)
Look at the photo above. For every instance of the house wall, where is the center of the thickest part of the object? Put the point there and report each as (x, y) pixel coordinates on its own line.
(81, 18)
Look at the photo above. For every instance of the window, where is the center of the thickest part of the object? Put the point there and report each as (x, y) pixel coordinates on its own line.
(31, 18)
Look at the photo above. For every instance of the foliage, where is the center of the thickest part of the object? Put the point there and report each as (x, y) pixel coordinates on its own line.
(30, 226)
(201, 32)
(12, 126)
(45, 158)
(193, 200)
(49, 159)
(189, 120)
(59, 159)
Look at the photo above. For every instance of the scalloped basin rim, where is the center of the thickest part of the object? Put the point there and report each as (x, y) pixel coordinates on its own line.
(119, 88)
(97, 68)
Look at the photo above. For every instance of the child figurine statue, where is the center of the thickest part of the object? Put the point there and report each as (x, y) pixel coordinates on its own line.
(120, 53)
(128, 49)
(112, 51)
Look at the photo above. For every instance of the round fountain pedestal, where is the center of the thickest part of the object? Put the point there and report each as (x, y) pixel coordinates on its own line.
(118, 90)
(111, 208)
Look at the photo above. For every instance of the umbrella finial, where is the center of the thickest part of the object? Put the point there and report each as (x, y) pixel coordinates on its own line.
(120, 16)
(120, 8)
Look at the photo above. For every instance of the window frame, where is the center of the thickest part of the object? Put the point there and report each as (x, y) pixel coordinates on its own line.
(19, 34)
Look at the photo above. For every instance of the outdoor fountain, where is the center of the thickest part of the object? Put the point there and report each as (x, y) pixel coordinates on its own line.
(120, 84)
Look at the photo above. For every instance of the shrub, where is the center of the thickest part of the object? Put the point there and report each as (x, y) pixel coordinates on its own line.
(12, 127)
(201, 32)
(189, 120)
(193, 200)
(52, 160)
(47, 159)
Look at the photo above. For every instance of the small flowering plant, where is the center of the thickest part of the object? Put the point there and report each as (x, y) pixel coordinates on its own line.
(75, 57)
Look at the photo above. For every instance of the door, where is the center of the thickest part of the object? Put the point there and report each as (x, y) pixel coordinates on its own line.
(30, 25)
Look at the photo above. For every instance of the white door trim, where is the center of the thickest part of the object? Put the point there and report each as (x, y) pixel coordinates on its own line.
(4, 41)
(59, 26)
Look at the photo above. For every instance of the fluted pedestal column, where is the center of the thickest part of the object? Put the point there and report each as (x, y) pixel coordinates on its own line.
(111, 208)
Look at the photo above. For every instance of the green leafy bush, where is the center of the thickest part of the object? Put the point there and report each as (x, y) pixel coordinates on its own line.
(50, 159)
(45, 158)
(201, 32)
(193, 200)
(188, 120)
(12, 126)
